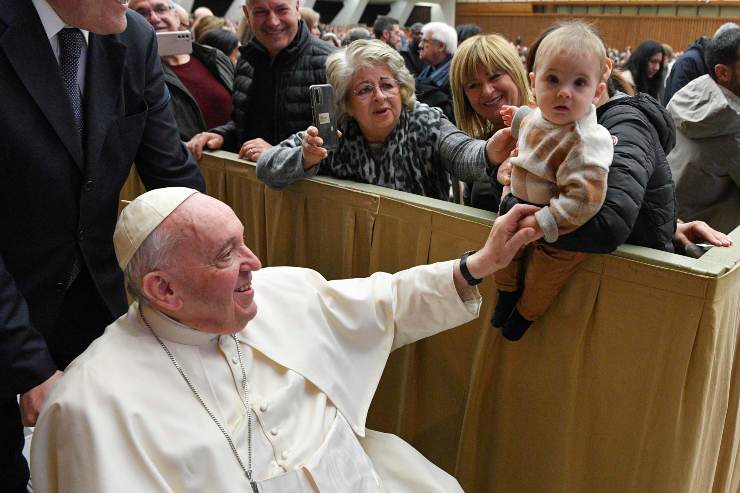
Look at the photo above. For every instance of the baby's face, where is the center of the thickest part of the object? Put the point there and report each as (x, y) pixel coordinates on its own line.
(566, 86)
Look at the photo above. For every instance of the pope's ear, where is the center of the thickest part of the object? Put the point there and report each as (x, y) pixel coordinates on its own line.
(531, 80)
(158, 290)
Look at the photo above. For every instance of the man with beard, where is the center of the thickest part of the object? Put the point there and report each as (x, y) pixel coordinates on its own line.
(706, 160)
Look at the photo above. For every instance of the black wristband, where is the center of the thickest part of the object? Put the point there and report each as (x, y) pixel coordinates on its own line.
(472, 281)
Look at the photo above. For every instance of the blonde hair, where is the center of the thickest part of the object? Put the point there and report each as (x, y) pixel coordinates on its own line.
(573, 39)
(493, 52)
(310, 17)
(205, 24)
(364, 53)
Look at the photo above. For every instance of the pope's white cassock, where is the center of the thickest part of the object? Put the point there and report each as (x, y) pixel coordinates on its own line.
(123, 419)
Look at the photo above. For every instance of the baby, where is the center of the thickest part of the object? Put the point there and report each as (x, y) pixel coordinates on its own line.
(562, 165)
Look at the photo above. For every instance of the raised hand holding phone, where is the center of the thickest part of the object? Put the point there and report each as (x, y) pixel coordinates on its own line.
(324, 115)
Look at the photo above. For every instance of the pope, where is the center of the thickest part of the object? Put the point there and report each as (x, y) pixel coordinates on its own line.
(224, 376)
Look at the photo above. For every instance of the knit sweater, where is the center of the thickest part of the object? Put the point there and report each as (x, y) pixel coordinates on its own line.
(563, 167)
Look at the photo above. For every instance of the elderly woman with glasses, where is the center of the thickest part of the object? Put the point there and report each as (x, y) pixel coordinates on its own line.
(387, 137)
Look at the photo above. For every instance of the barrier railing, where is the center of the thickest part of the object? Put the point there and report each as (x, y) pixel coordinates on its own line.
(629, 383)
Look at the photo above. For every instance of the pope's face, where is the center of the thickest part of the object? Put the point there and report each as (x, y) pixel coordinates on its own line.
(97, 16)
(210, 271)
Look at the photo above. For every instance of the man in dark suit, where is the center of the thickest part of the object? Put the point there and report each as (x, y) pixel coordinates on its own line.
(78, 107)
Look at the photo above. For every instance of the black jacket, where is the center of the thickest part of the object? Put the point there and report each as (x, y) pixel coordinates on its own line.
(686, 68)
(57, 200)
(299, 65)
(640, 206)
(188, 115)
(412, 60)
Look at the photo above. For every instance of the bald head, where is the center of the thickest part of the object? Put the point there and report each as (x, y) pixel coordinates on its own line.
(201, 12)
(193, 222)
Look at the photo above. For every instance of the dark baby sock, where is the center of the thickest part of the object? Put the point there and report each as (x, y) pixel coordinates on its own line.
(515, 326)
(504, 305)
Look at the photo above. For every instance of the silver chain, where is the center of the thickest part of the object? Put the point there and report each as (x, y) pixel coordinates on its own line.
(247, 470)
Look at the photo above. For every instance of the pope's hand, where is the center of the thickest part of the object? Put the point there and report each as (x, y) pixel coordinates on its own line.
(506, 237)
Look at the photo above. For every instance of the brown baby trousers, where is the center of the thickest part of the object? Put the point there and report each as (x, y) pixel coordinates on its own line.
(543, 270)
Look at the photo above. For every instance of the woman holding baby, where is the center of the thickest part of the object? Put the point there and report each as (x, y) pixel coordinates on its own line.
(636, 204)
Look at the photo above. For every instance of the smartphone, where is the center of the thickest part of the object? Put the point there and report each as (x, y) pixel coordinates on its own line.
(175, 43)
(324, 115)
(698, 249)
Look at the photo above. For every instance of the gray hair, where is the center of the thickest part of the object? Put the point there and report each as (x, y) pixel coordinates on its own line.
(152, 255)
(724, 27)
(443, 33)
(363, 53)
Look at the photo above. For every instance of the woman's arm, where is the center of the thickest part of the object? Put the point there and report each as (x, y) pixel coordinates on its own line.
(282, 165)
(461, 155)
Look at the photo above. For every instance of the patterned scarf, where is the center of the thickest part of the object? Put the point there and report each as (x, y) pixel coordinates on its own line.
(409, 161)
(440, 74)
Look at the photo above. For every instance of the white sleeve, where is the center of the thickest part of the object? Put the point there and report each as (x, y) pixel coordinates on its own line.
(426, 303)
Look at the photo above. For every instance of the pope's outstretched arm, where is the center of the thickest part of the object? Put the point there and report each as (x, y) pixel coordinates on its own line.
(504, 240)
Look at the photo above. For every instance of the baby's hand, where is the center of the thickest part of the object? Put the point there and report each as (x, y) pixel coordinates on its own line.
(507, 114)
(531, 222)
(503, 175)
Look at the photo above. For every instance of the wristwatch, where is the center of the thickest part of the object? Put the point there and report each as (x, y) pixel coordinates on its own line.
(472, 281)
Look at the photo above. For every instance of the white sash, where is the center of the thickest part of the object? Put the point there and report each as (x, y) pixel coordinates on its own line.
(340, 465)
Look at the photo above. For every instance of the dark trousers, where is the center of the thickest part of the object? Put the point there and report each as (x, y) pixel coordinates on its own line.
(82, 318)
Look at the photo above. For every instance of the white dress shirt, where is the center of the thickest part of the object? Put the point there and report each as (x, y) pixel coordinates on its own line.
(52, 25)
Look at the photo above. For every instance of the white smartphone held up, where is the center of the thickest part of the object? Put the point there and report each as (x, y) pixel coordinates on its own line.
(175, 43)
(324, 115)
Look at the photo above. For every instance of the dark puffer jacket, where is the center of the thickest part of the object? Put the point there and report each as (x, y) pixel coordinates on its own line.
(687, 67)
(188, 115)
(640, 205)
(301, 64)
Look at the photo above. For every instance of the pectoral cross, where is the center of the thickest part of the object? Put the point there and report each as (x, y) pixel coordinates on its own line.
(254, 487)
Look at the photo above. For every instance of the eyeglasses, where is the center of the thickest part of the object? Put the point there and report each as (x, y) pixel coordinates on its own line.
(389, 87)
(159, 10)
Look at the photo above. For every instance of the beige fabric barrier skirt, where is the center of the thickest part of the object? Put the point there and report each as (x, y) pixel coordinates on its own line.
(629, 383)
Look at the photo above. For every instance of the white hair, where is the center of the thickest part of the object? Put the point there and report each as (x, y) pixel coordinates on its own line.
(152, 254)
(443, 33)
(342, 65)
(724, 27)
